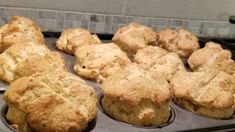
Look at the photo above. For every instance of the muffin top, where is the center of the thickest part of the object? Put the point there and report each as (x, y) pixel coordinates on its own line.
(72, 38)
(179, 41)
(52, 101)
(19, 30)
(99, 61)
(212, 56)
(24, 59)
(133, 84)
(211, 88)
(146, 57)
(133, 37)
(158, 61)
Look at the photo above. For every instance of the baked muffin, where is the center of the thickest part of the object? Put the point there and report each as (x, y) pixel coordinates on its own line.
(212, 56)
(24, 59)
(70, 39)
(179, 41)
(50, 102)
(209, 93)
(146, 57)
(134, 36)
(158, 61)
(19, 30)
(98, 61)
(133, 96)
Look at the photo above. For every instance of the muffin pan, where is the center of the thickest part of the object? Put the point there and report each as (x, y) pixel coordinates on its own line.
(180, 120)
(4, 120)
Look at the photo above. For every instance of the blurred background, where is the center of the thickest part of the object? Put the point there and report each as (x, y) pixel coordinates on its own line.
(205, 18)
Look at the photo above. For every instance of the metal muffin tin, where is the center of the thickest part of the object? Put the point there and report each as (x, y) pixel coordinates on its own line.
(180, 120)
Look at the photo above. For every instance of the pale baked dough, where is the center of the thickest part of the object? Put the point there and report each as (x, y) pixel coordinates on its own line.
(133, 96)
(70, 39)
(208, 90)
(209, 93)
(159, 62)
(179, 41)
(212, 56)
(19, 30)
(24, 59)
(50, 102)
(134, 36)
(98, 61)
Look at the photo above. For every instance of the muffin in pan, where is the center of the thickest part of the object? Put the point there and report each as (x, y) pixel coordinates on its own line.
(209, 93)
(158, 61)
(98, 61)
(179, 41)
(212, 56)
(19, 30)
(50, 102)
(134, 36)
(72, 38)
(133, 96)
(24, 59)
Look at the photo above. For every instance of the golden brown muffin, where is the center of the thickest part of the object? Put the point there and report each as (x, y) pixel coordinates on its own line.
(167, 66)
(146, 57)
(133, 96)
(158, 61)
(179, 41)
(212, 56)
(98, 61)
(50, 102)
(24, 59)
(134, 36)
(70, 39)
(209, 93)
(19, 30)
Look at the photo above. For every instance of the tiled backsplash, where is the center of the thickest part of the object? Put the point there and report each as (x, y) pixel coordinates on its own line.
(55, 20)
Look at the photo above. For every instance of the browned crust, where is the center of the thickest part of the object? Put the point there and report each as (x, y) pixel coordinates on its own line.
(212, 56)
(134, 36)
(208, 90)
(179, 41)
(44, 97)
(134, 84)
(159, 62)
(19, 30)
(24, 59)
(97, 62)
(72, 38)
(132, 95)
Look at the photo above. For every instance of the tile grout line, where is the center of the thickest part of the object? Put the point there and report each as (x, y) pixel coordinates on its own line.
(222, 28)
(123, 11)
(124, 8)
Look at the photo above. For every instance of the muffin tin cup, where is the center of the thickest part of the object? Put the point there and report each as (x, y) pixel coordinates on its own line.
(180, 120)
(3, 86)
(4, 119)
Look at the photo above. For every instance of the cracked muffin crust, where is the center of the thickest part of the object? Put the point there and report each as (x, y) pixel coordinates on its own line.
(133, 96)
(24, 59)
(97, 62)
(212, 56)
(209, 93)
(179, 41)
(50, 102)
(134, 36)
(70, 39)
(19, 30)
(158, 61)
